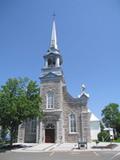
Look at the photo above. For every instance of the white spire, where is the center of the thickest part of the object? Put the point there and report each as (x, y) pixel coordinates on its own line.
(54, 35)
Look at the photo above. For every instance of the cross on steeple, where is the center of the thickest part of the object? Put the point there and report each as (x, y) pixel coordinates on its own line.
(54, 15)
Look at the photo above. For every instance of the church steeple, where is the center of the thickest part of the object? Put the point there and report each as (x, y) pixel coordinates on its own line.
(53, 43)
(53, 59)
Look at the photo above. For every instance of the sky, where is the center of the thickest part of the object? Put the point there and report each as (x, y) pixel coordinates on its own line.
(88, 34)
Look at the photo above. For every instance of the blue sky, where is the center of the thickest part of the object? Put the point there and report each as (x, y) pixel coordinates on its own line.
(88, 37)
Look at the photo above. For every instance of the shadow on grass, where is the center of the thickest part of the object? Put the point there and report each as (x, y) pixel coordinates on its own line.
(6, 147)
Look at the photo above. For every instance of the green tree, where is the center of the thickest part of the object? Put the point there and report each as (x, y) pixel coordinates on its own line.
(118, 125)
(103, 136)
(19, 100)
(111, 117)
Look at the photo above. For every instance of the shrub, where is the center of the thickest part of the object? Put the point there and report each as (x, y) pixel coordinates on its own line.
(104, 136)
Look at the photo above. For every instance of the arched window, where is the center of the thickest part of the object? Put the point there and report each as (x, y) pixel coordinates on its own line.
(72, 123)
(50, 100)
(51, 62)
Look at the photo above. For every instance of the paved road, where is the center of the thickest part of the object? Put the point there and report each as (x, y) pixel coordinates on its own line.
(91, 155)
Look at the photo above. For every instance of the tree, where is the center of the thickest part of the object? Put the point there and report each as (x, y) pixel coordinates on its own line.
(103, 136)
(19, 100)
(111, 117)
(118, 125)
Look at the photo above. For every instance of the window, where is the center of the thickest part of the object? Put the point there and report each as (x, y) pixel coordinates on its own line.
(72, 123)
(31, 125)
(50, 100)
(51, 62)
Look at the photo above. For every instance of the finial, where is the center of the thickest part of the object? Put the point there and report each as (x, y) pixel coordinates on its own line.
(83, 87)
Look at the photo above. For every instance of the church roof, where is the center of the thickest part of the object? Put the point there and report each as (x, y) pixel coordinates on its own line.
(85, 94)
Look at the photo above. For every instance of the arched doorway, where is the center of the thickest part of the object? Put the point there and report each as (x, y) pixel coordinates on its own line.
(50, 133)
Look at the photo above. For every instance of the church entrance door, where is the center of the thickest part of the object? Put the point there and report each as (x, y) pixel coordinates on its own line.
(50, 133)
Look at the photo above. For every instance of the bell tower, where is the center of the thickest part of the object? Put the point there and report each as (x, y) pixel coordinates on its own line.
(53, 59)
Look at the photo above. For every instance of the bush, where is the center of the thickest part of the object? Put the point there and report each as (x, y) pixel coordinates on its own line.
(104, 136)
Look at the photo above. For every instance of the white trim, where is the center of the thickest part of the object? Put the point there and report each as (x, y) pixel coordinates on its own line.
(73, 133)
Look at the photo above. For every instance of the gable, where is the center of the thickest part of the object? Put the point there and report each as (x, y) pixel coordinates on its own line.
(50, 77)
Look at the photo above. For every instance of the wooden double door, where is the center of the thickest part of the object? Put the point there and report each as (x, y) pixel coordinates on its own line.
(49, 135)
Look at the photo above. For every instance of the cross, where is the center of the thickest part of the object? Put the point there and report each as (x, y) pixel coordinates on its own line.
(54, 15)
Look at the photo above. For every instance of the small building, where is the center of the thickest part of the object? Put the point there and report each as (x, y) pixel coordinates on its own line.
(94, 126)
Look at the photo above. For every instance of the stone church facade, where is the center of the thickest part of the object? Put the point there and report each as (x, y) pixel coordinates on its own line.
(66, 119)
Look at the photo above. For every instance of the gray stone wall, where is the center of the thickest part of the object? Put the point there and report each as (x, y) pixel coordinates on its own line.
(56, 88)
(64, 102)
(71, 104)
(85, 126)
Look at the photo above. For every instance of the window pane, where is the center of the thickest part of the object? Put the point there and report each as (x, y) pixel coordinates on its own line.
(72, 123)
(50, 100)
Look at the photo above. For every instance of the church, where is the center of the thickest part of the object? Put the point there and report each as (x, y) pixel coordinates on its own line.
(66, 119)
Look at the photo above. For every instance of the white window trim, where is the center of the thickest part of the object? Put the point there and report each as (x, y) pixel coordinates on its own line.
(47, 100)
(70, 123)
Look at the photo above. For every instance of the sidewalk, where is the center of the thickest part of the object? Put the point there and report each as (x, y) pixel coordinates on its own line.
(64, 147)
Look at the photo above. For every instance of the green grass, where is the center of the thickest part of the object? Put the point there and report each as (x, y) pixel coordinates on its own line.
(117, 140)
